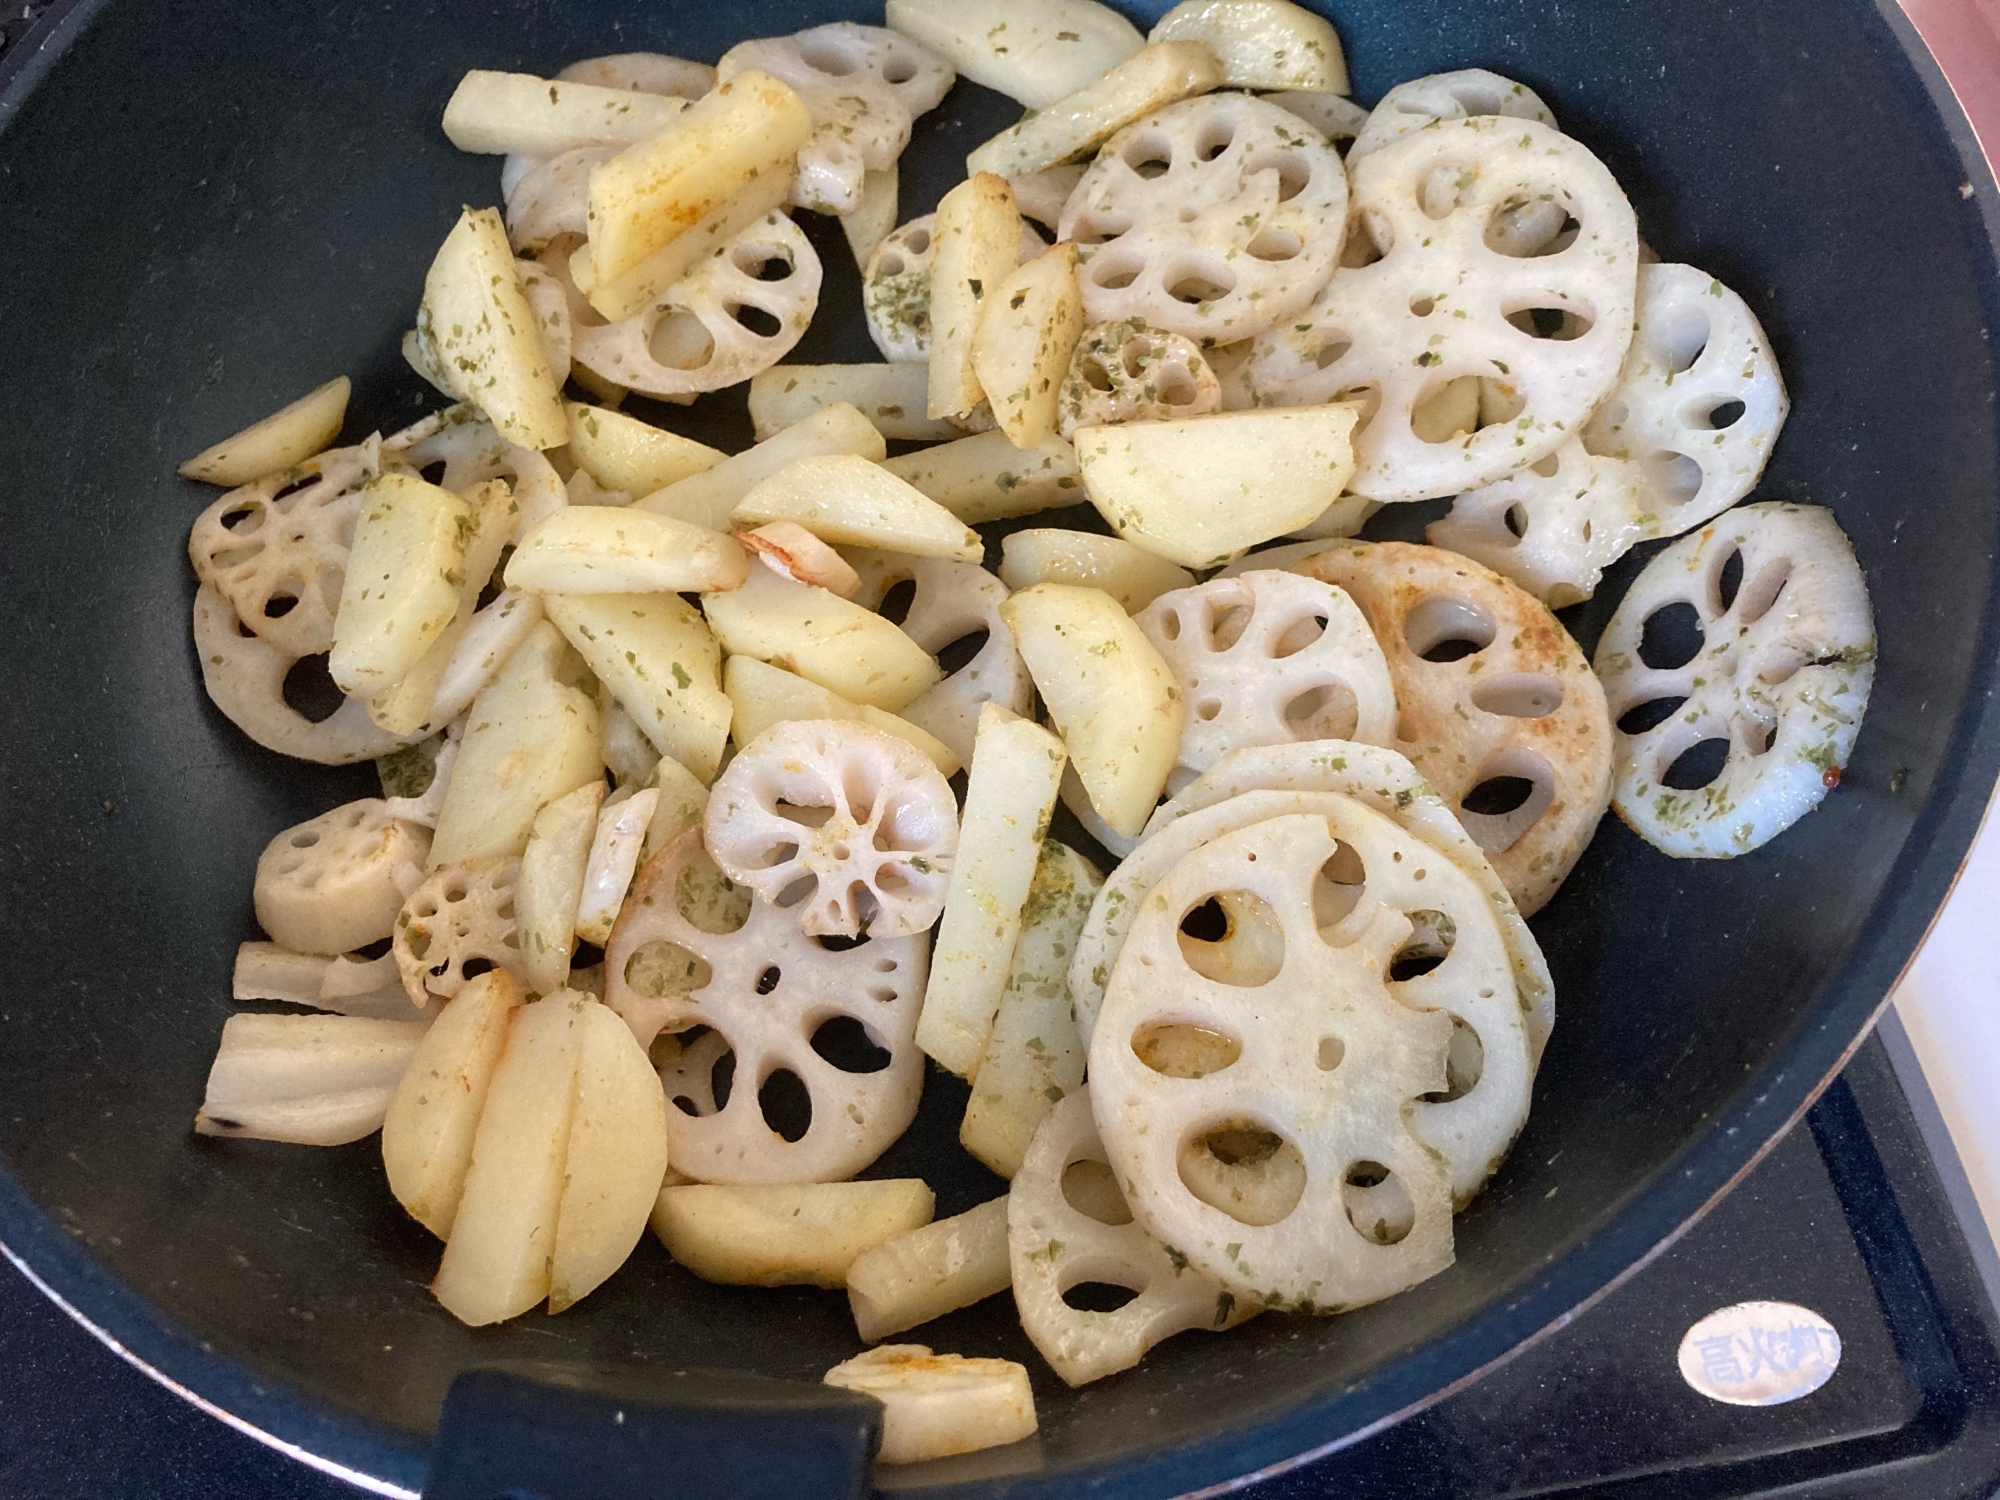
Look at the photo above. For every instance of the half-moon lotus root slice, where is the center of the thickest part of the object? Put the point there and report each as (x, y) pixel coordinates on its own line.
(1470, 361)
(1779, 678)
(1499, 709)
(862, 86)
(794, 1017)
(460, 918)
(1445, 96)
(1215, 218)
(1309, 1084)
(276, 548)
(737, 313)
(472, 453)
(1055, 1245)
(336, 882)
(1129, 372)
(552, 198)
(896, 289)
(848, 829)
(1268, 657)
(952, 602)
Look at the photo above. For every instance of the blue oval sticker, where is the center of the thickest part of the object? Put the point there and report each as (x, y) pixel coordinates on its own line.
(1760, 1353)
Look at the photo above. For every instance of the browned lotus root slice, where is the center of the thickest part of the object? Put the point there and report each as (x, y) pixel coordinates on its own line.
(1500, 711)
(1130, 372)
(791, 1015)
(276, 548)
(462, 916)
(336, 882)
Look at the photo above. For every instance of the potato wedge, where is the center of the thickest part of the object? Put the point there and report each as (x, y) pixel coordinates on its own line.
(500, 114)
(706, 499)
(658, 657)
(986, 478)
(975, 245)
(1021, 349)
(822, 637)
(682, 802)
(1162, 74)
(653, 191)
(1182, 489)
(925, 1273)
(305, 1080)
(765, 695)
(621, 452)
(632, 292)
(1131, 575)
(1113, 699)
(1010, 793)
(1261, 44)
(1034, 1054)
(617, 1156)
(803, 1234)
(852, 502)
(476, 330)
(290, 435)
(551, 884)
(531, 738)
(603, 549)
(433, 1114)
(1033, 51)
(874, 217)
(404, 572)
(935, 1405)
(496, 1259)
(891, 397)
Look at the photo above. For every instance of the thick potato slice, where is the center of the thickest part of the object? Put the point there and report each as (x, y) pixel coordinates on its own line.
(610, 549)
(531, 738)
(975, 245)
(935, 1405)
(926, 1273)
(496, 1259)
(662, 664)
(305, 1080)
(1033, 51)
(764, 695)
(986, 478)
(892, 397)
(1185, 491)
(477, 331)
(822, 637)
(682, 802)
(500, 114)
(655, 190)
(434, 1113)
(290, 435)
(631, 293)
(404, 573)
(617, 1157)
(551, 884)
(1079, 123)
(1010, 793)
(847, 500)
(1021, 349)
(803, 1234)
(623, 453)
(1113, 699)
(707, 498)
(1131, 575)
(1261, 44)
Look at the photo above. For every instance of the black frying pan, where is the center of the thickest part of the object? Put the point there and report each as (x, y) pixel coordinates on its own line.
(207, 208)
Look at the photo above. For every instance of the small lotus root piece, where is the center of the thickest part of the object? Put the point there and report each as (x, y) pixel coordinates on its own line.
(461, 917)
(1540, 336)
(1322, 1062)
(472, 453)
(951, 602)
(552, 198)
(1445, 96)
(862, 85)
(548, 303)
(850, 830)
(1781, 675)
(276, 548)
(896, 289)
(335, 883)
(1128, 372)
(1334, 116)
(1499, 709)
(1267, 657)
(1215, 218)
(689, 951)
(1054, 1246)
(791, 551)
(718, 325)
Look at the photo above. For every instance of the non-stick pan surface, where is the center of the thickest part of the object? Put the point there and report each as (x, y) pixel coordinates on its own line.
(205, 209)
